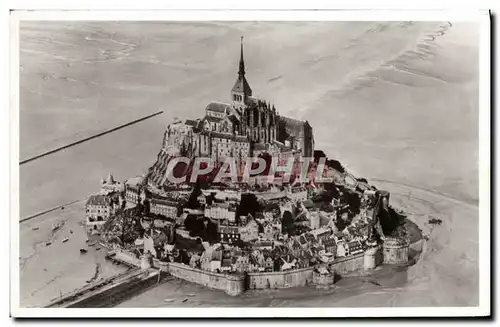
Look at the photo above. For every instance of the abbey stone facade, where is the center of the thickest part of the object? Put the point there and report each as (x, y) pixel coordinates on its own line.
(247, 126)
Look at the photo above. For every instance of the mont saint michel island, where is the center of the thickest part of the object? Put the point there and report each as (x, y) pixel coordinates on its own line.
(238, 171)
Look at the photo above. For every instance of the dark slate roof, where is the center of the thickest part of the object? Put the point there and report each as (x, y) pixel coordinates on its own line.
(222, 135)
(307, 255)
(241, 86)
(339, 235)
(308, 203)
(218, 107)
(166, 202)
(233, 119)
(252, 101)
(212, 119)
(99, 200)
(301, 217)
(191, 122)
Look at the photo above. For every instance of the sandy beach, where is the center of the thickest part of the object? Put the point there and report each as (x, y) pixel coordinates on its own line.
(396, 102)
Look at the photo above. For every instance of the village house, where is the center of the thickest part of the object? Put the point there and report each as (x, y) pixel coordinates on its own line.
(330, 245)
(168, 249)
(342, 249)
(355, 247)
(270, 233)
(269, 263)
(314, 219)
(226, 265)
(211, 259)
(309, 256)
(258, 255)
(302, 219)
(194, 261)
(321, 234)
(294, 244)
(250, 231)
(162, 223)
(149, 245)
(241, 263)
(184, 190)
(253, 265)
(301, 261)
(221, 213)
(132, 194)
(165, 207)
(297, 194)
(229, 234)
(132, 189)
(262, 244)
(98, 209)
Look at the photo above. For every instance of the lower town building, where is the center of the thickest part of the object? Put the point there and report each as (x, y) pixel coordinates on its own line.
(229, 234)
(110, 185)
(222, 213)
(98, 209)
(298, 194)
(250, 232)
(167, 208)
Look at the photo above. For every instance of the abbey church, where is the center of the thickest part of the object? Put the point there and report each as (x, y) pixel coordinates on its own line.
(243, 127)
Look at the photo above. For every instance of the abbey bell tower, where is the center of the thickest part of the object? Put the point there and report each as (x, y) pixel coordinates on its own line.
(241, 89)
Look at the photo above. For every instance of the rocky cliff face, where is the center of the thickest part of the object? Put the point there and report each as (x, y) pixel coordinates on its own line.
(178, 141)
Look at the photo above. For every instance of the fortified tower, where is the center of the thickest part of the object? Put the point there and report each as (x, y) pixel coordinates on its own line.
(146, 260)
(371, 255)
(395, 251)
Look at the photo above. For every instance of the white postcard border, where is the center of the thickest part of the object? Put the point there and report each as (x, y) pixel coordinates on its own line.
(189, 15)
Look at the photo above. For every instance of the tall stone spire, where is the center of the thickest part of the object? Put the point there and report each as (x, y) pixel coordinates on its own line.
(241, 72)
(241, 90)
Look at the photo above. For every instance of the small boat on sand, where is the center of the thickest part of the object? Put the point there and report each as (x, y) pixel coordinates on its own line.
(48, 243)
(35, 228)
(56, 226)
(83, 250)
(184, 300)
(92, 244)
(65, 239)
(97, 249)
(169, 300)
